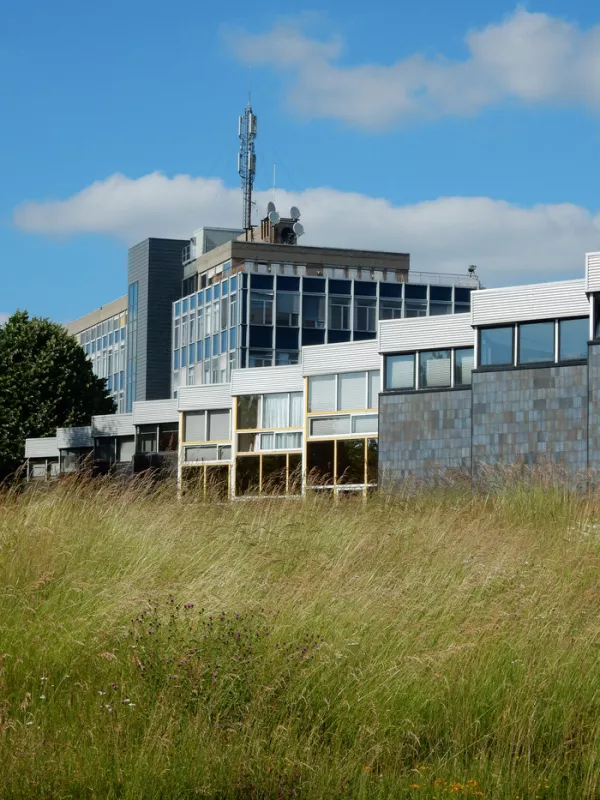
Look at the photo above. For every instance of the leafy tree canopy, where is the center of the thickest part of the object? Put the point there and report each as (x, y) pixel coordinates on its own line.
(46, 382)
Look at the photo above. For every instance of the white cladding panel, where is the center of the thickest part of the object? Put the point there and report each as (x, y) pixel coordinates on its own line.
(267, 380)
(113, 425)
(148, 411)
(536, 301)
(41, 448)
(324, 359)
(68, 438)
(196, 398)
(426, 333)
(592, 272)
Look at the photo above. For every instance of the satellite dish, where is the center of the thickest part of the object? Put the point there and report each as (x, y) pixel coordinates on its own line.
(295, 212)
(274, 217)
(298, 228)
(270, 207)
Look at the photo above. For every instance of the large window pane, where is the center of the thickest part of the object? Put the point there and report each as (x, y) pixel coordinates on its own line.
(313, 311)
(296, 410)
(496, 346)
(400, 371)
(434, 369)
(194, 426)
(168, 438)
(350, 462)
(247, 475)
(275, 411)
(464, 359)
(390, 308)
(218, 426)
(319, 463)
(288, 306)
(352, 391)
(365, 318)
(339, 313)
(536, 342)
(247, 412)
(321, 393)
(261, 308)
(274, 469)
(572, 337)
(440, 300)
(415, 296)
(373, 400)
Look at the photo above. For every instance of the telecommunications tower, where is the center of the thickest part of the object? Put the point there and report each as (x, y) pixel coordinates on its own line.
(247, 163)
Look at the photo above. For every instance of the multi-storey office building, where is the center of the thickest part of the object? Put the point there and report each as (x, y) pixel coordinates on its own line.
(257, 304)
(103, 336)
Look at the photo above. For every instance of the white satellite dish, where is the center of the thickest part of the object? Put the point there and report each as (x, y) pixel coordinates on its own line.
(298, 228)
(270, 207)
(274, 217)
(295, 212)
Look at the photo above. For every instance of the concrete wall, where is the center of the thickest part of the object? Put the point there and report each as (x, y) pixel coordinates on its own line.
(534, 415)
(423, 433)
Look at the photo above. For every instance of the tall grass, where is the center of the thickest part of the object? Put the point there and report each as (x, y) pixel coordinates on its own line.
(425, 646)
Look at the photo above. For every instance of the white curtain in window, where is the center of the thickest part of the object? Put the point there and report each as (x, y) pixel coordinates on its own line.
(218, 426)
(194, 430)
(296, 410)
(275, 411)
(374, 389)
(288, 441)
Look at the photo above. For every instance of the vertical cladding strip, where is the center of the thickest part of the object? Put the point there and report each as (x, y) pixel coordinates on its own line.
(424, 434)
(164, 275)
(138, 273)
(593, 434)
(531, 415)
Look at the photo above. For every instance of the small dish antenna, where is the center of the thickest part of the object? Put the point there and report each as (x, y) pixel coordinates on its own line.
(274, 217)
(298, 228)
(295, 212)
(270, 207)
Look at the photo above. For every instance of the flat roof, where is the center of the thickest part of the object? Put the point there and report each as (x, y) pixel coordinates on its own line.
(99, 315)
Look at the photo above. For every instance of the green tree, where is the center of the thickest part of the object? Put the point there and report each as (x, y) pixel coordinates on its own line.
(46, 382)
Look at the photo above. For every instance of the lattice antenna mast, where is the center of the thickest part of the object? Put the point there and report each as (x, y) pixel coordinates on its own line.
(247, 163)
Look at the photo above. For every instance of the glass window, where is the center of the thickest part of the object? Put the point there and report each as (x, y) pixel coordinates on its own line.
(352, 391)
(373, 400)
(275, 411)
(247, 412)
(286, 357)
(195, 426)
(390, 308)
(434, 369)
(365, 423)
(313, 311)
(339, 313)
(496, 346)
(168, 438)
(464, 360)
(296, 409)
(400, 371)
(350, 461)
(233, 311)
(146, 439)
(261, 308)
(440, 300)
(415, 300)
(365, 318)
(224, 315)
(462, 300)
(321, 393)
(218, 425)
(184, 305)
(260, 358)
(288, 441)
(288, 310)
(572, 338)
(536, 342)
(319, 463)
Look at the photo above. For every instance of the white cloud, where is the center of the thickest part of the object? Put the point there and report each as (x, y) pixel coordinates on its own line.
(531, 58)
(4, 316)
(509, 243)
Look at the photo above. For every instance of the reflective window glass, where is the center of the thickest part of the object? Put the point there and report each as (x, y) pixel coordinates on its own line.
(435, 369)
(536, 342)
(496, 346)
(400, 371)
(464, 359)
(572, 338)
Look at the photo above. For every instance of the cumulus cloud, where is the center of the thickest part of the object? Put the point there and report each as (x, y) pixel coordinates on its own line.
(529, 58)
(509, 243)
(4, 315)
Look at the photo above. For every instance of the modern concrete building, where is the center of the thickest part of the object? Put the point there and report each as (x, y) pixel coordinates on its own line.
(515, 380)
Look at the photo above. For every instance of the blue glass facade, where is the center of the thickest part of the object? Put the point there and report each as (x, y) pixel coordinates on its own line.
(105, 345)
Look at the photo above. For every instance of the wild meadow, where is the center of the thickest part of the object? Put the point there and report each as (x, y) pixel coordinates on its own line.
(435, 644)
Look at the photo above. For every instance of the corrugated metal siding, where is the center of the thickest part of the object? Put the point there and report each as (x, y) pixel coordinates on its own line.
(148, 411)
(113, 425)
(592, 272)
(267, 380)
(536, 301)
(41, 448)
(68, 438)
(324, 359)
(195, 398)
(426, 333)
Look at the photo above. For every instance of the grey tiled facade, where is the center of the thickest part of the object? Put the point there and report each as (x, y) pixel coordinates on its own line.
(531, 415)
(424, 433)
(593, 405)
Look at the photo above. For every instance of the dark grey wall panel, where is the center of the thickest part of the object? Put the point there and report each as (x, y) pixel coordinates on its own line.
(424, 434)
(532, 415)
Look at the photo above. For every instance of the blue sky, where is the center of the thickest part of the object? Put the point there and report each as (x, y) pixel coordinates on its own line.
(462, 133)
